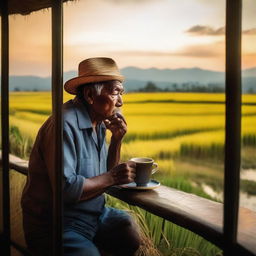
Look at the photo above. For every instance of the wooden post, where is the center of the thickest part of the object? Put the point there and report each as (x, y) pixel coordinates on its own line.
(57, 101)
(5, 124)
(233, 124)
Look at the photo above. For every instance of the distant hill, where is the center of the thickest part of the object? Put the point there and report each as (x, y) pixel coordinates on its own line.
(164, 78)
(137, 78)
(173, 75)
(29, 83)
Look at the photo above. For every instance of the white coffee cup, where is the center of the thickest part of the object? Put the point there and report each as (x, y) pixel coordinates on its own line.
(145, 167)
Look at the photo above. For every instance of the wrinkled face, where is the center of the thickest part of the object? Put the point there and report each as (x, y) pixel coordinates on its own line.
(108, 102)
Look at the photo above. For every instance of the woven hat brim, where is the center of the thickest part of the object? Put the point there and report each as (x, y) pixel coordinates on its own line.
(71, 85)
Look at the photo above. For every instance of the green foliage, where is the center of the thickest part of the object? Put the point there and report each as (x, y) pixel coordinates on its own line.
(163, 135)
(150, 87)
(249, 140)
(215, 183)
(248, 186)
(19, 145)
(248, 157)
(184, 87)
(181, 183)
(183, 242)
(164, 238)
(214, 151)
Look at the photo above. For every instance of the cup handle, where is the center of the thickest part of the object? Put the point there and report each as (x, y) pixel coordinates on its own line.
(155, 168)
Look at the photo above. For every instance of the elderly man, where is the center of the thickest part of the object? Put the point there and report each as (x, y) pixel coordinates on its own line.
(90, 228)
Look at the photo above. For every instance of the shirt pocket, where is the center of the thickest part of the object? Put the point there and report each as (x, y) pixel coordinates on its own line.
(86, 167)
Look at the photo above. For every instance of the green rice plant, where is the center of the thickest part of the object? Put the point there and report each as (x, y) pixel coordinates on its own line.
(172, 96)
(213, 151)
(170, 147)
(183, 241)
(26, 127)
(248, 186)
(248, 157)
(30, 116)
(161, 237)
(165, 134)
(215, 182)
(160, 123)
(175, 109)
(182, 183)
(19, 145)
(249, 140)
(178, 182)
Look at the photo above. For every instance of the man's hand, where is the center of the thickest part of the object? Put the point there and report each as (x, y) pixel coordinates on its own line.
(117, 125)
(123, 173)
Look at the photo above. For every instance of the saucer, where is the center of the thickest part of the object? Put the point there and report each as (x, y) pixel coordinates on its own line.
(152, 184)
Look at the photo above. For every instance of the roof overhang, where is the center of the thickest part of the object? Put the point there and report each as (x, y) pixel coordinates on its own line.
(25, 7)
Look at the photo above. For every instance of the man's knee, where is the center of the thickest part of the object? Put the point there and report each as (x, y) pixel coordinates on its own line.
(122, 239)
(129, 240)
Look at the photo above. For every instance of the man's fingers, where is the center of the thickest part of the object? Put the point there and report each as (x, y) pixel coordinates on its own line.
(112, 117)
(116, 121)
(116, 125)
(125, 172)
(131, 164)
(107, 122)
(119, 115)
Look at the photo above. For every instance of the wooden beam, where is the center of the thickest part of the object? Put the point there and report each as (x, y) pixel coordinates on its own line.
(57, 101)
(5, 123)
(233, 125)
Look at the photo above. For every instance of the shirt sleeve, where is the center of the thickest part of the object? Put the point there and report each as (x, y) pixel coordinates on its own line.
(73, 183)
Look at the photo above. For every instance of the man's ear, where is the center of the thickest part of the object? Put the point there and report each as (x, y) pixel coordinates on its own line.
(88, 95)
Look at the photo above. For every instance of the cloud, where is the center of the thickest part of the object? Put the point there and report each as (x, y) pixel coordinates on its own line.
(210, 50)
(251, 31)
(199, 30)
(205, 30)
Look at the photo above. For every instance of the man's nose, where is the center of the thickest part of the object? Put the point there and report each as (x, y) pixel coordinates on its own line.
(119, 102)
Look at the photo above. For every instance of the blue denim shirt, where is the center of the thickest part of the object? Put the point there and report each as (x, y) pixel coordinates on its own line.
(85, 156)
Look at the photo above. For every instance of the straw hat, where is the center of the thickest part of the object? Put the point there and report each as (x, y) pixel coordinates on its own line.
(94, 70)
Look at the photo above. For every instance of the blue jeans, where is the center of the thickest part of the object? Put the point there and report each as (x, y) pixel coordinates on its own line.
(117, 234)
(77, 244)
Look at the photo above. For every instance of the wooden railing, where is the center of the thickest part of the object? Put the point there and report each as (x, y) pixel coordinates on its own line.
(200, 215)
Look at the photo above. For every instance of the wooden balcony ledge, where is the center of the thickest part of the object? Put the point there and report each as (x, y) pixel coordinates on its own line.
(200, 215)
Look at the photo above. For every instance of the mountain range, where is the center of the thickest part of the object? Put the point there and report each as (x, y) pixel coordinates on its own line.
(137, 78)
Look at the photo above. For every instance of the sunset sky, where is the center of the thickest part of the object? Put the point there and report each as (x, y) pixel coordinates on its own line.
(142, 33)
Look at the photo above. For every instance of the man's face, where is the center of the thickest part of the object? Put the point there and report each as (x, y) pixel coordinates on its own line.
(110, 99)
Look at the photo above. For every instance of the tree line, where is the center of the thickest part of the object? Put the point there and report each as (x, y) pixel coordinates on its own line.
(183, 87)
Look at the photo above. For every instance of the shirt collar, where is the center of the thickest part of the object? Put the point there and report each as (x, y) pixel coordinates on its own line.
(83, 118)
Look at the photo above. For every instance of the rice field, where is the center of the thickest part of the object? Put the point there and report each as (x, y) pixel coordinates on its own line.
(169, 127)
(165, 126)
(167, 115)
(183, 132)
